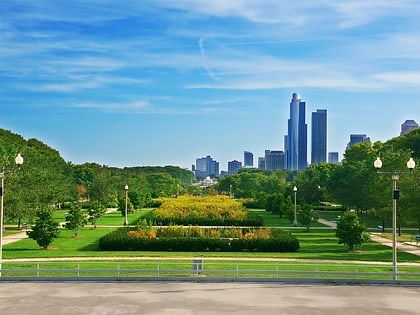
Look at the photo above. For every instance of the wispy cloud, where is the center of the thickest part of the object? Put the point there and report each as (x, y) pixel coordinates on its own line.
(122, 107)
(204, 57)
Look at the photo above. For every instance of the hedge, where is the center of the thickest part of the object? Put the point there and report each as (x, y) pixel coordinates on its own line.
(120, 240)
(252, 220)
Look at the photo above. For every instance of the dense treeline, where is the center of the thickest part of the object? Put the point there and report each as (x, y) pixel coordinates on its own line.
(47, 179)
(354, 183)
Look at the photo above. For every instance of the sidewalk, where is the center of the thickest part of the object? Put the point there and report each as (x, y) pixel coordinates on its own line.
(409, 247)
(14, 237)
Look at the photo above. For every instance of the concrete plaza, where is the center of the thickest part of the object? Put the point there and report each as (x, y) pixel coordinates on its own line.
(204, 298)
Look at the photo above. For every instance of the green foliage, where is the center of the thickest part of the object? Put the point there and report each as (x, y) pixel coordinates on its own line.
(306, 216)
(121, 205)
(121, 240)
(350, 231)
(203, 210)
(95, 212)
(45, 229)
(75, 219)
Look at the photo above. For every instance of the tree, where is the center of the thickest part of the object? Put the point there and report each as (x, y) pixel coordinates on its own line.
(45, 229)
(95, 212)
(75, 219)
(350, 231)
(306, 216)
(121, 205)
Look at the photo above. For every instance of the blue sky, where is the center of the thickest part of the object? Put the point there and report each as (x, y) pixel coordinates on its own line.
(163, 82)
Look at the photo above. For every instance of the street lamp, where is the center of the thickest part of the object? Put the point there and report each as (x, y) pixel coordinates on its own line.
(19, 162)
(395, 195)
(126, 205)
(294, 212)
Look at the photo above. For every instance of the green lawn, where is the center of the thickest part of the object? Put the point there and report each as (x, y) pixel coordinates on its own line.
(318, 244)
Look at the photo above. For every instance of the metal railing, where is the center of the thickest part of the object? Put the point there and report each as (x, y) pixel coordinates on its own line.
(208, 271)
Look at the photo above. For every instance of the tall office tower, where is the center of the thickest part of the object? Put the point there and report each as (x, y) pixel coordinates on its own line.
(234, 167)
(332, 157)
(274, 160)
(407, 126)
(248, 159)
(357, 138)
(206, 166)
(297, 143)
(261, 163)
(319, 136)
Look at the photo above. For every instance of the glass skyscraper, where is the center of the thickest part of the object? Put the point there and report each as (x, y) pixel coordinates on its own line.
(248, 159)
(296, 141)
(319, 136)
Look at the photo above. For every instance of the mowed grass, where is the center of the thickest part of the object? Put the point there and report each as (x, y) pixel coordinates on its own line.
(315, 245)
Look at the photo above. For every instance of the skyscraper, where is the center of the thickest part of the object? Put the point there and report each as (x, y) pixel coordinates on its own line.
(407, 126)
(274, 160)
(234, 167)
(319, 136)
(332, 157)
(248, 159)
(206, 166)
(296, 141)
(357, 138)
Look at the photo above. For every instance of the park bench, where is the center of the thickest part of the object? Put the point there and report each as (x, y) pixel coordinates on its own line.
(417, 238)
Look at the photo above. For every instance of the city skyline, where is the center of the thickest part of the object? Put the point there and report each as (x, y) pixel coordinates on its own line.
(166, 82)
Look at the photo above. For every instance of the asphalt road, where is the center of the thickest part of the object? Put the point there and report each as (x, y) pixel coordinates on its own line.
(204, 298)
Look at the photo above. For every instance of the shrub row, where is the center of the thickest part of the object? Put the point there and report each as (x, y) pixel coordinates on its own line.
(120, 240)
(252, 220)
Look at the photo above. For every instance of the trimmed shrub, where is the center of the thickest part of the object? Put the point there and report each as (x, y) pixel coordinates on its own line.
(124, 240)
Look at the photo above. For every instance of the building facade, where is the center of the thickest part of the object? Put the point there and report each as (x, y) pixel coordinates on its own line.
(319, 136)
(274, 160)
(248, 159)
(407, 126)
(206, 166)
(357, 138)
(296, 143)
(332, 157)
(234, 167)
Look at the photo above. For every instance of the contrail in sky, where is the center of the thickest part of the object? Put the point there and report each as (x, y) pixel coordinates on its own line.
(203, 55)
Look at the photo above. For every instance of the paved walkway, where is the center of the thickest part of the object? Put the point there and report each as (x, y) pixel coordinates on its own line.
(172, 298)
(409, 247)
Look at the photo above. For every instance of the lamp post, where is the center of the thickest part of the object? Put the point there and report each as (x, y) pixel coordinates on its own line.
(126, 205)
(294, 212)
(19, 162)
(395, 196)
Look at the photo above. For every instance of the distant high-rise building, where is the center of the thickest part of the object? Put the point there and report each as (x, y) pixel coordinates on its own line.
(206, 166)
(296, 145)
(261, 163)
(248, 159)
(274, 160)
(234, 167)
(319, 136)
(357, 138)
(332, 157)
(407, 126)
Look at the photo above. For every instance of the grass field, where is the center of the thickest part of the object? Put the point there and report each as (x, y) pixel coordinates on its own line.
(317, 244)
